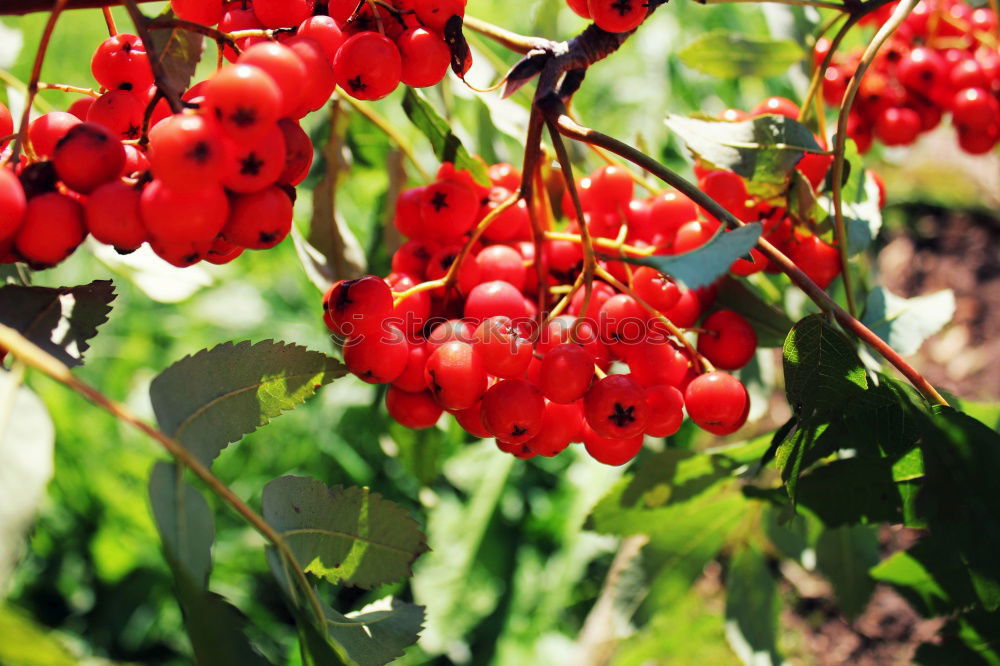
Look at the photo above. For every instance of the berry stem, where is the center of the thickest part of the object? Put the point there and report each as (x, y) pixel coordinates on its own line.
(510, 40)
(89, 92)
(606, 243)
(837, 170)
(787, 266)
(110, 21)
(36, 73)
(33, 356)
(820, 4)
(141, 23)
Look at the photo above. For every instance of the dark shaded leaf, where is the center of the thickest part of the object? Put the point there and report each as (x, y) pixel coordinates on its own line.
(378, 633)
(752, 607)
(731, 55)
(345, 535)
(214, 626)
(59, 320)
(179, 52)
(216, 396)
(769, 323)
(702, 266)
(931, 575)
(844, 555)
(445, 143)
(973, 638)
(763, 150)
(822, 370)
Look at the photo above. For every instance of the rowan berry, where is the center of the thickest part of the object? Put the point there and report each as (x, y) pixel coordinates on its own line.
(513, 410)
(413, 410)
(377, 356)
(717, 402)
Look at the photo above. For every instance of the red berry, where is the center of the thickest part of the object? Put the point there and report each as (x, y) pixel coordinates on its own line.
(727, 340)
(282, 13)
(52, 228)
(495, 298)
(434, 14)
(368, 66)
(412, 311)
(80, 107)
(244, 100)
(239, 16)
(513, 410)
(425, 58)
(222, 252)
(921, 70)
(412, 378)
(121, 111)
(447, 210)
(181, 253)
(611, 189)
(412, 410)
(781, 106)
(259, 220)
(615, 407)
(820, 261)
(717, 402)
(320, 83)
(285, 68)
(622, 319)
(580, 8)
(121, 63)
(897, 126)
(253, 165)
(471, 420)
(455, 375)
(298, 152)
(12, 204)
(657, 289)
(505, 352)
(566, 373)
(88, 156)
(358, 306)
(975, 108)
(187, 152)
(6, 123)
(324, 31)
(378, 356)
(617, 15)
(656, 360)
(205, 12)
(666, 410)
(610, 451)
(451, 329)
(179, 216)
(561, 424)
(112, 215)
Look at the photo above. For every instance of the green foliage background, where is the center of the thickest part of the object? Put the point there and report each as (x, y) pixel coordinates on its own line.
(512, 573)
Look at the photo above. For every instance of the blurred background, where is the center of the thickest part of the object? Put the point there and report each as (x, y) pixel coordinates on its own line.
(512, 575)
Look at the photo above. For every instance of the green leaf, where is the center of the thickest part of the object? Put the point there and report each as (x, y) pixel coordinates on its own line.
(216, 396)
(445, 143)
(27, 441)
(844, 555)
(822, 370)
(752, 607)
(931, 575)
(856, 490)
(906, 322)
(179, 52)
(770, 323)
(350, 535)
(731, 55)
(972, 638)
(187, 530)
(763, 150)
(378, 633)
(702, 266)
(59, 320)
(27, 643)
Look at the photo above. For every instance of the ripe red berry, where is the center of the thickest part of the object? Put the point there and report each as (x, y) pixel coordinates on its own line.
(561, 424)
(239, 16)
(656, 360)
(820, 261)
(282, 13)
(471, 420)
(727, 340)
(222, 252)
(657, 289)
(244, 100)
(298, 153)
(6, 124)
(451, 329)
(975, 108)
(12, 204)
(324, 31)
(368, 66)
(179, 216)
(412, 311)
(455, 375)
(187, 152)
(434, 14)
(285, 68)
(513, 410)
(320, 83)
(921, 70)
(617, 15)
(897, 126)
(505, 352)
(580, 8)
(121, 111)
(493, 299)
(112, 216)
(45, 131)
(447, 210)
(253, 165)
(614, 452)
(412, 410)
(666, 410)
(52, 228)
(412, 378)
(717, 402)
(121, 63)
(622, 319)
(378, 356)
(88, 156)
(205, 12)
(781, 106)
(259, 220)
(425, 58)
(615, 407)
(566, 373)
(611, 189)
(357, 306)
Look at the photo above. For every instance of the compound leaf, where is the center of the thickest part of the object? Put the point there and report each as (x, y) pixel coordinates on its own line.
(218, 395)
(179, 52)
(702, 266)
(731, 55)
(822, 370)
(345, 535)
(906, 322)
(445, 143)
(59, 320)
(378, 633)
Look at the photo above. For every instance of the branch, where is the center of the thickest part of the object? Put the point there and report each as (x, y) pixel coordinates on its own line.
(20, 7)
(35, 357)
(571, 129)
(510, 40)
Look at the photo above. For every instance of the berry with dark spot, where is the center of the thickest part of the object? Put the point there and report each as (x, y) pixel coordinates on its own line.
(259, 220)
(244, 100)
(513, 410)
(615, 407)
(368, 66)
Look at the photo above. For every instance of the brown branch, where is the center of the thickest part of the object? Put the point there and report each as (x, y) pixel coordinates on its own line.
(571, 129)
(20, 7)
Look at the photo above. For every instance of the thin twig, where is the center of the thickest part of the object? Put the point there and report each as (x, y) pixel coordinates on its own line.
(509, 40)
(837, 170)
(35, 357)
(110, 21)
(574, 131)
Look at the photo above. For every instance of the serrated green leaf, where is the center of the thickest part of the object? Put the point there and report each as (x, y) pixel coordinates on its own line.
(752, 607)
(179, 52)
(931, 575)
(378, 633)
(763, 150)
(822, 370)
(856, 490)
(445, 143)
(59, 320)
(769, 323)
(731, 55)
(216, 396)
(906, 322)
(184, 521)
(844, 555)
(345, 535)
(702, 266)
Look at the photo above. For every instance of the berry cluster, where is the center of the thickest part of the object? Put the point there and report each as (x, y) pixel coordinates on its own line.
(368, 48)
(460, 325)
(612, 15)
(942, 59)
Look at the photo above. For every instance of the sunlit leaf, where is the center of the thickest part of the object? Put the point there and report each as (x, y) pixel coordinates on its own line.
(906, 322)
(445, 143)
(726, 55)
